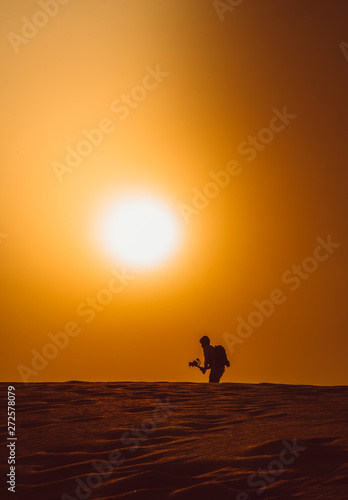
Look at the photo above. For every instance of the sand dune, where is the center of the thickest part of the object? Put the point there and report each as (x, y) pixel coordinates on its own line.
(179, 441)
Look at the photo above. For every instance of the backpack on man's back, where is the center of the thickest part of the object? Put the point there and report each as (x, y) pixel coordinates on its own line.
(220, 356)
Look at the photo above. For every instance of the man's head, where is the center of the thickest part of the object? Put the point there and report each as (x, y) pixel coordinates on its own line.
(205, 341)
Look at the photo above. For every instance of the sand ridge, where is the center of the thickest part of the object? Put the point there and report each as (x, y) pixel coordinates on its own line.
(123, 440)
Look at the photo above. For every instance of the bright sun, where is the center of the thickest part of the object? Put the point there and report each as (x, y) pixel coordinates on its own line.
(140, 231)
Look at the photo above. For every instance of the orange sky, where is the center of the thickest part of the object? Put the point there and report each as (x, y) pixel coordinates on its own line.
(216, 80)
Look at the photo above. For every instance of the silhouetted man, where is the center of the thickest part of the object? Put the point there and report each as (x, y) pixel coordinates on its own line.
(211, 361)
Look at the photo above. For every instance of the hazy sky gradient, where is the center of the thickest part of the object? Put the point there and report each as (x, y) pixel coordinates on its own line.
(225, 78)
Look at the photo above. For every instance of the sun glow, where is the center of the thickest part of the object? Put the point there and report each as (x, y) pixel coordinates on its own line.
(140, 231)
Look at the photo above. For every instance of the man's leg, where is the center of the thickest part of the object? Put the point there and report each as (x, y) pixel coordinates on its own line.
(214, 377)
(222, 371)
(216, 374)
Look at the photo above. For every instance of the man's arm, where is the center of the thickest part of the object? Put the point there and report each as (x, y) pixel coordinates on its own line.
(206, 364)
(207, 360)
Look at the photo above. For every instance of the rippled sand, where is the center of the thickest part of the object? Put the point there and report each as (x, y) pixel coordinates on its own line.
(194, 441)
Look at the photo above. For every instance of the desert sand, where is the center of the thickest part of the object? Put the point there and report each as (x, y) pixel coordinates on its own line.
(106, 441)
